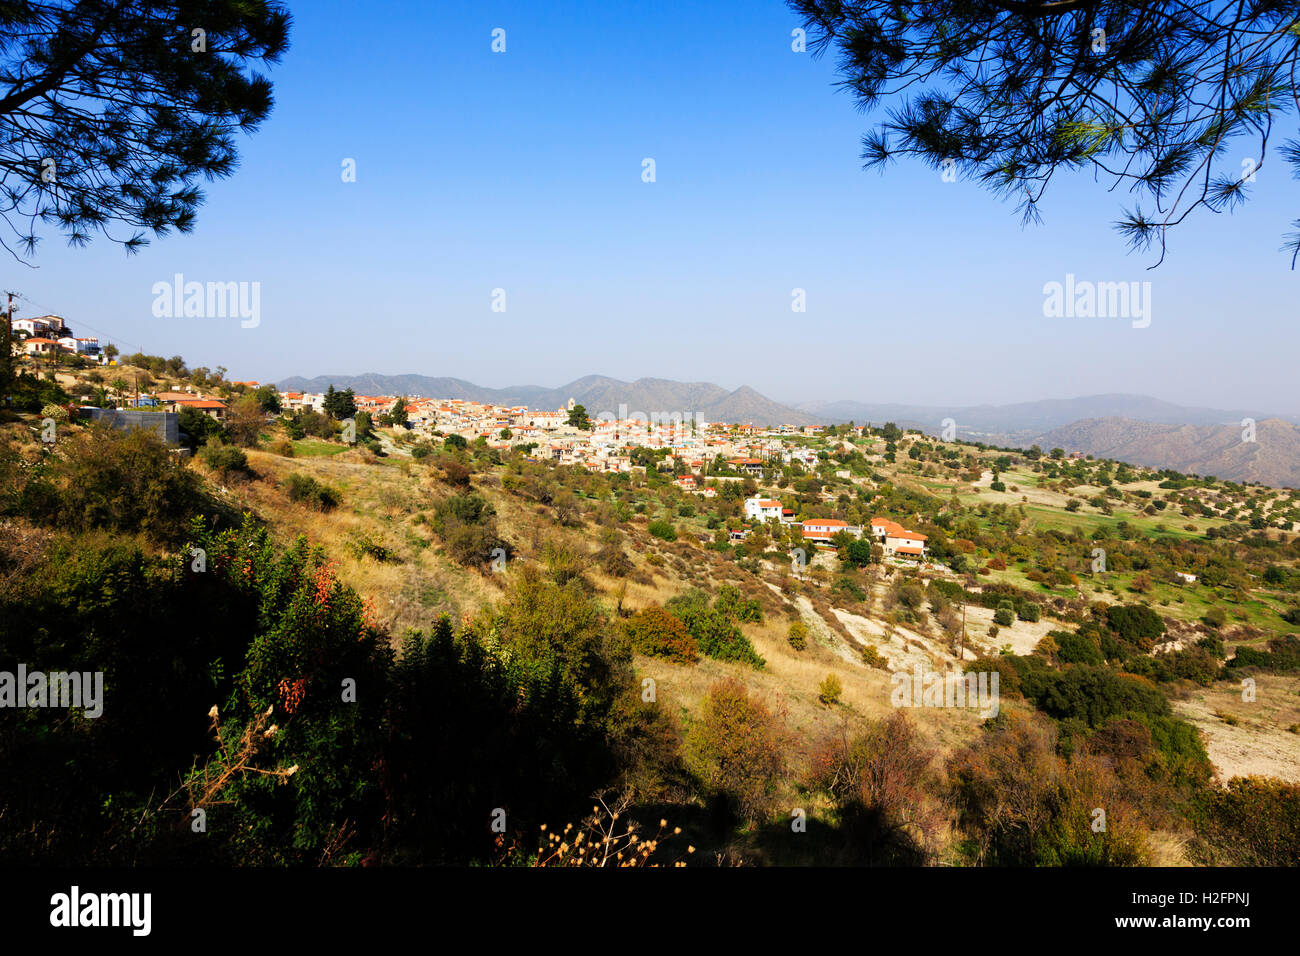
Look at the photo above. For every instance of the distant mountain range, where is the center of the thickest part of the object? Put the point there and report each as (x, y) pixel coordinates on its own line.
(597, 393)
(1134, 428)
(1022, 422)
(1270, 456)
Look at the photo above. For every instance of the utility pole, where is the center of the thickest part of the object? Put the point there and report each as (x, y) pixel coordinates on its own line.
(963, 624)
(9, 340)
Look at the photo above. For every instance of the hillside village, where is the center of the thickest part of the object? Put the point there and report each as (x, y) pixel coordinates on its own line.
(815, 565)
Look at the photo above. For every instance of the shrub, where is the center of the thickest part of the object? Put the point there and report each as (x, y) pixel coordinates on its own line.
(1136, 624)
(122, 481)
(466, 524)
(613, 561)
(1029, 611)
(362, 545)
(872, 657)
(881, 782)
(663, 529)
(798, 635)
(1283, 654)
(830, 690)
(1254, 821)
(849, 588)
(200, 428)
(1074, 648)
(736, 749)
(1021, 804)
(1004, 616)
(714, 631)
(657, 633)
(730, 602)
(307, 490)
(224, 459)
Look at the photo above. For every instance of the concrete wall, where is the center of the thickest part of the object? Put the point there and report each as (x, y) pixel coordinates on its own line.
(166, 424)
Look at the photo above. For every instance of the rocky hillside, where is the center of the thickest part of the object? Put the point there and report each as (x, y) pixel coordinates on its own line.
(1272, 458)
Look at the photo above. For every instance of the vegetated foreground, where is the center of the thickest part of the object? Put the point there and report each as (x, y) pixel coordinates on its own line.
(420, 650)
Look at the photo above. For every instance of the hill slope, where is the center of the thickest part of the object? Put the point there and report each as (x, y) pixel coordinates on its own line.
(1273, 458)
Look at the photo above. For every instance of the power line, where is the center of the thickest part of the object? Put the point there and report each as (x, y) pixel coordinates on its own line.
(76, 323)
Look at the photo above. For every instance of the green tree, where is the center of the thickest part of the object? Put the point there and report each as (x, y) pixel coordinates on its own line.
(339, 405)
(578, 418)
(1010, 93)
(399, 416)
(268, 397)
(133, 108)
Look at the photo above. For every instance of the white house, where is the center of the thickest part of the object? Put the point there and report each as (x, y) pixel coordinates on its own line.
(86, 346)
(762, 509)
(897, 540)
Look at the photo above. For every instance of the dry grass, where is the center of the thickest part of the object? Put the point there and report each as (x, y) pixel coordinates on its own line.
(1258, 742)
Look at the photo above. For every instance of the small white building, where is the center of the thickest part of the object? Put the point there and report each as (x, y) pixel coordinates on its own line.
(897, 540)
(762, 509)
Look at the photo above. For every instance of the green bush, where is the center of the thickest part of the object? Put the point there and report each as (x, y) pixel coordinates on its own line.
(1135, 624)
(307, 490)
(655, 632)
(466, 523)
(200, 428)
(713, 629)
(1283, 654)
(123, 481)
(663, 529)
(225, 459)
(1073, 648)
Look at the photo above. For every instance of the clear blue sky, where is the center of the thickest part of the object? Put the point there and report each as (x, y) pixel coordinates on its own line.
(522, 171)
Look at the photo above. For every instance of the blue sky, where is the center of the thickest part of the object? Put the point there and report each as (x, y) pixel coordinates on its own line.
(522, 171)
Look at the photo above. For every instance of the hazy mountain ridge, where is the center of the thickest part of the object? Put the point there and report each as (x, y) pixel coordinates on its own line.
(1022, 420)
(1272, 458)
(598, 393)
